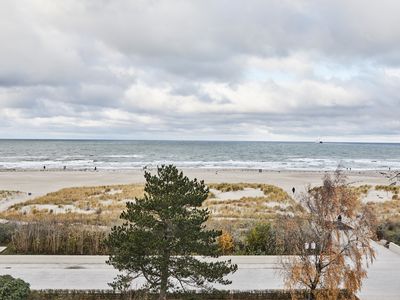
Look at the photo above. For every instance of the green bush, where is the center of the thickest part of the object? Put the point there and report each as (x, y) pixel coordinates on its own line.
(261, 240)
(13, 288)
(389, 231)
(6, 231)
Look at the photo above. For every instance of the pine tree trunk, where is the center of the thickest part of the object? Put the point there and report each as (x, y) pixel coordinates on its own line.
(164, 283)
(164, 270)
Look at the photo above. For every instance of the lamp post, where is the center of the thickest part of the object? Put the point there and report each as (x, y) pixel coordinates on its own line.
(310, 247)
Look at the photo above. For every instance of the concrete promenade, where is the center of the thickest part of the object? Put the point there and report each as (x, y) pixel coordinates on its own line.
(254, 272)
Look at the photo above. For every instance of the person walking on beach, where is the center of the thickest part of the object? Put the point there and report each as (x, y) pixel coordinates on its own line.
(293, 190)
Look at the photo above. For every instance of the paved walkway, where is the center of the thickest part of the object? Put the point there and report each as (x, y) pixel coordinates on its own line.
(91, 272)
(255, 272)
(383, 282)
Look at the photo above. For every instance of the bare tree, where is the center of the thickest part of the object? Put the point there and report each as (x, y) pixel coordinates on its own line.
(332, 242)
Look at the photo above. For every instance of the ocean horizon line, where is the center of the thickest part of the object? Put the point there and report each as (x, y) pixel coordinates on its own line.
(184, 140)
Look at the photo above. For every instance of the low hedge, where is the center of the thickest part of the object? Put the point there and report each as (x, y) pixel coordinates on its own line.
(143, 295)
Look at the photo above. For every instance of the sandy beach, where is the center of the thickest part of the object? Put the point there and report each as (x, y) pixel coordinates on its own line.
(38, 183)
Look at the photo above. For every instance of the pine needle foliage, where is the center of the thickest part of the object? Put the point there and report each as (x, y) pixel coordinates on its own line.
(161, 234)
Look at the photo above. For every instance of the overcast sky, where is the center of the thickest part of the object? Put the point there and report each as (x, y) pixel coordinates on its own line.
(216, 70)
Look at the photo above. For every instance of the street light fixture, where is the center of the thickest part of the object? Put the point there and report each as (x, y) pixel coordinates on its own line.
(310, 246)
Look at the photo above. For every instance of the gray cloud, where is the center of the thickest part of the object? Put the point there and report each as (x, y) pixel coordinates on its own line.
(292, 70)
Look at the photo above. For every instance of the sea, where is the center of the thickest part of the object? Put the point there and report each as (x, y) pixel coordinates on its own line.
(124, 155)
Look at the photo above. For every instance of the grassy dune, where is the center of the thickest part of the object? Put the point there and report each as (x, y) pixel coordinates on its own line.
(61, 222)
(102, 205)
(275, 201)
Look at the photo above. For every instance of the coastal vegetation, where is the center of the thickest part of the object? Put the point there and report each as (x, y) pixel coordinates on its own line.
(270, 191)
(99, 205)
(53, 237)
(362, 190)
(389, 230)
(6, 232)
(393, 189)
(70, 220)
(262, 240)
(4, 194)
(102, 205)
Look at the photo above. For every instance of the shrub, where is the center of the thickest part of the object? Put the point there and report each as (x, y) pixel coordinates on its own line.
(13, 288)
(389, 231)
(225, 243)
(55, 238)
(388, 188)
(261, 240)
(6, 231)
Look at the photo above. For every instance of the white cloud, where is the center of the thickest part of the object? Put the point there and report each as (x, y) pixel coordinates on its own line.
(200, 69)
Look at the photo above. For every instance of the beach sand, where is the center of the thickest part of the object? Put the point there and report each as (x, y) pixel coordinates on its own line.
(42, 182)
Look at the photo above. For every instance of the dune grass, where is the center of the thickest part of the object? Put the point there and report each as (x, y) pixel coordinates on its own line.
(90, 195)
(270, 191)
(8, 194)
(274, 202)
(103, 204)
(395, 189)
(389, 209)
(362, 190)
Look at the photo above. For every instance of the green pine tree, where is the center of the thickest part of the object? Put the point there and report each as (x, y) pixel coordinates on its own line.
(161, 234)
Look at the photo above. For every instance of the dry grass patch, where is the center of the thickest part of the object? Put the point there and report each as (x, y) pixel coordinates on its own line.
(395, 189)
(274, 202)
(390, 208)
(102, 205)
(8, 194)
(90, 195)
(362, 190)
(270, 191)
(88, 205)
